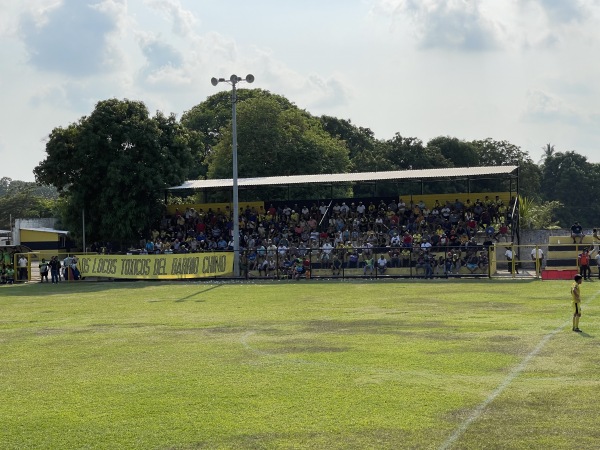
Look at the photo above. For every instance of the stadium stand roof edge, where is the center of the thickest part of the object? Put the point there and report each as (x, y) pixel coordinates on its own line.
(46, 230)
(451, 172)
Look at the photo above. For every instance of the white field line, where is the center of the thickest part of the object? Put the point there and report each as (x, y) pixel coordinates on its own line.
(478, 411)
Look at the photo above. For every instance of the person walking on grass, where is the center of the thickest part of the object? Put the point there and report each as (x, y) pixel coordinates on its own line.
(576, 300)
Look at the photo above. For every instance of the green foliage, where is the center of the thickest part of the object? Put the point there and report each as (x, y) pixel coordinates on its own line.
(115, 165)
(293, 143)
(502, 153)
(8, 186)
(536, 215)
(408, 153)
(460, 153)
(209, 118)
(24, 200)
(573, 181)
(358, 139)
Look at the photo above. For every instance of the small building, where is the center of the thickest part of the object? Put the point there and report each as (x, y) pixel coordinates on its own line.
(40, 234)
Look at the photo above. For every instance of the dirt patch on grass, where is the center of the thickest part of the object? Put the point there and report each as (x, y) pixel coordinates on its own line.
(304, 346)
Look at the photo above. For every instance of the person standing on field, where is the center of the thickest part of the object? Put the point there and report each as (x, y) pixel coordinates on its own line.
(509, 260)
(584, 265)
(22, 264)
(44, 271)
(55, 269)
(576, 300)
(537, 256)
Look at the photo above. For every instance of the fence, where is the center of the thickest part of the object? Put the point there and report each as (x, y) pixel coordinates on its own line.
(362, 262)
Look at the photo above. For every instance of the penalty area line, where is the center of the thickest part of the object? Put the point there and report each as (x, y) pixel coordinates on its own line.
(478, 411)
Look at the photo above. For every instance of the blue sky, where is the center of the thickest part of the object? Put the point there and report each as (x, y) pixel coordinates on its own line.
(525, 71)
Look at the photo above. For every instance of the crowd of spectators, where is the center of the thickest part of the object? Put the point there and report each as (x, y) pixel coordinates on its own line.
(369, 235)
(7, 270)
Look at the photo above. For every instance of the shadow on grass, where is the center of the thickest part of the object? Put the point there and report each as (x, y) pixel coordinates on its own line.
(82, 287)
(48, 289)
(197, 293)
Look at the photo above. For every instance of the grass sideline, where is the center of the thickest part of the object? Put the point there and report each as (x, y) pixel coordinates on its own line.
(451, 364)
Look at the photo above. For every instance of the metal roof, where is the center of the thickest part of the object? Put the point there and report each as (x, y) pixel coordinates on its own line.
(451, 172)
(46, 230)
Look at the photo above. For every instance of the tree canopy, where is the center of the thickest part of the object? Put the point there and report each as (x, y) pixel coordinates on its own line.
(276, 138)
(21, 199)
(115, 165)
(569, 178)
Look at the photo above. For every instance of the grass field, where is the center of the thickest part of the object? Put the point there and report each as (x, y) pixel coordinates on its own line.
(309, 365)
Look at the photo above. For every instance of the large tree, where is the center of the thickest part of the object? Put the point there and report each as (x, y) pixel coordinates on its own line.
(209, 118)
(575, 182)
(24, 200)
(460, 153)
(115, 165)
(357, 139)
(275, 139)
(503, 153)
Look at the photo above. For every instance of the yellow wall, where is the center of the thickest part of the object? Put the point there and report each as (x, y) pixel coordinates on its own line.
(430, 199)
(39, 236)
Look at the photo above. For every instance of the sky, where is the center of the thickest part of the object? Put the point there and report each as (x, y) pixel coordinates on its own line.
(525, 71)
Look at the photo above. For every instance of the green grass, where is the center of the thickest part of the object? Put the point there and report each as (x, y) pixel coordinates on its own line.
(386, 365)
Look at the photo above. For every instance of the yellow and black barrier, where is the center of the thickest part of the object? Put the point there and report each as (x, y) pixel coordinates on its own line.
(157, 267)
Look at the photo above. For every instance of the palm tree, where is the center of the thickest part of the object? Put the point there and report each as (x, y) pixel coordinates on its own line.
(548, 152)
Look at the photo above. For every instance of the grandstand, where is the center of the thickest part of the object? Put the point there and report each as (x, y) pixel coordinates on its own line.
(451, 234)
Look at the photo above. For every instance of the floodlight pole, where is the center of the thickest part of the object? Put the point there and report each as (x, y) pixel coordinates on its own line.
(234, 80)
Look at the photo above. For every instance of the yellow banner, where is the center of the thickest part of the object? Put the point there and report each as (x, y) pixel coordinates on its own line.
(157, 267)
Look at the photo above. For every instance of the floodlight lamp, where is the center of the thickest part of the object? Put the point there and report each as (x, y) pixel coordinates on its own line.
(234, 79)
(214, 81)
(250, 78)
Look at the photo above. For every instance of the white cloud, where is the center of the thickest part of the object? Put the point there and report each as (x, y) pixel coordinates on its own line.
(183, 21)
(70, 38)
(520, 70)
(562, 11)
(483, 25)
(445, 24)
(543, 107)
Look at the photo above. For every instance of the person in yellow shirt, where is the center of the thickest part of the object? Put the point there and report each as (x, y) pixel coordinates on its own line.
(576, 300)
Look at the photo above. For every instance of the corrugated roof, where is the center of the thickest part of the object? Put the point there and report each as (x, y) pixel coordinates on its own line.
(451, 172)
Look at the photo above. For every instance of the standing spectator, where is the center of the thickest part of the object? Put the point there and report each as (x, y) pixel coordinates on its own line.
(22, 264)
(336, 265)
(584, 264)
(483, 261)
(395, 257)
(509, 259)
(67, 274)
(369, 265)
(43, 271)
(326, 251)
(576, 299)
(353, 260)
(598, 264)
(537, 255)
(577, 233)
(428, 265)
(55, 269)
(381, 264)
